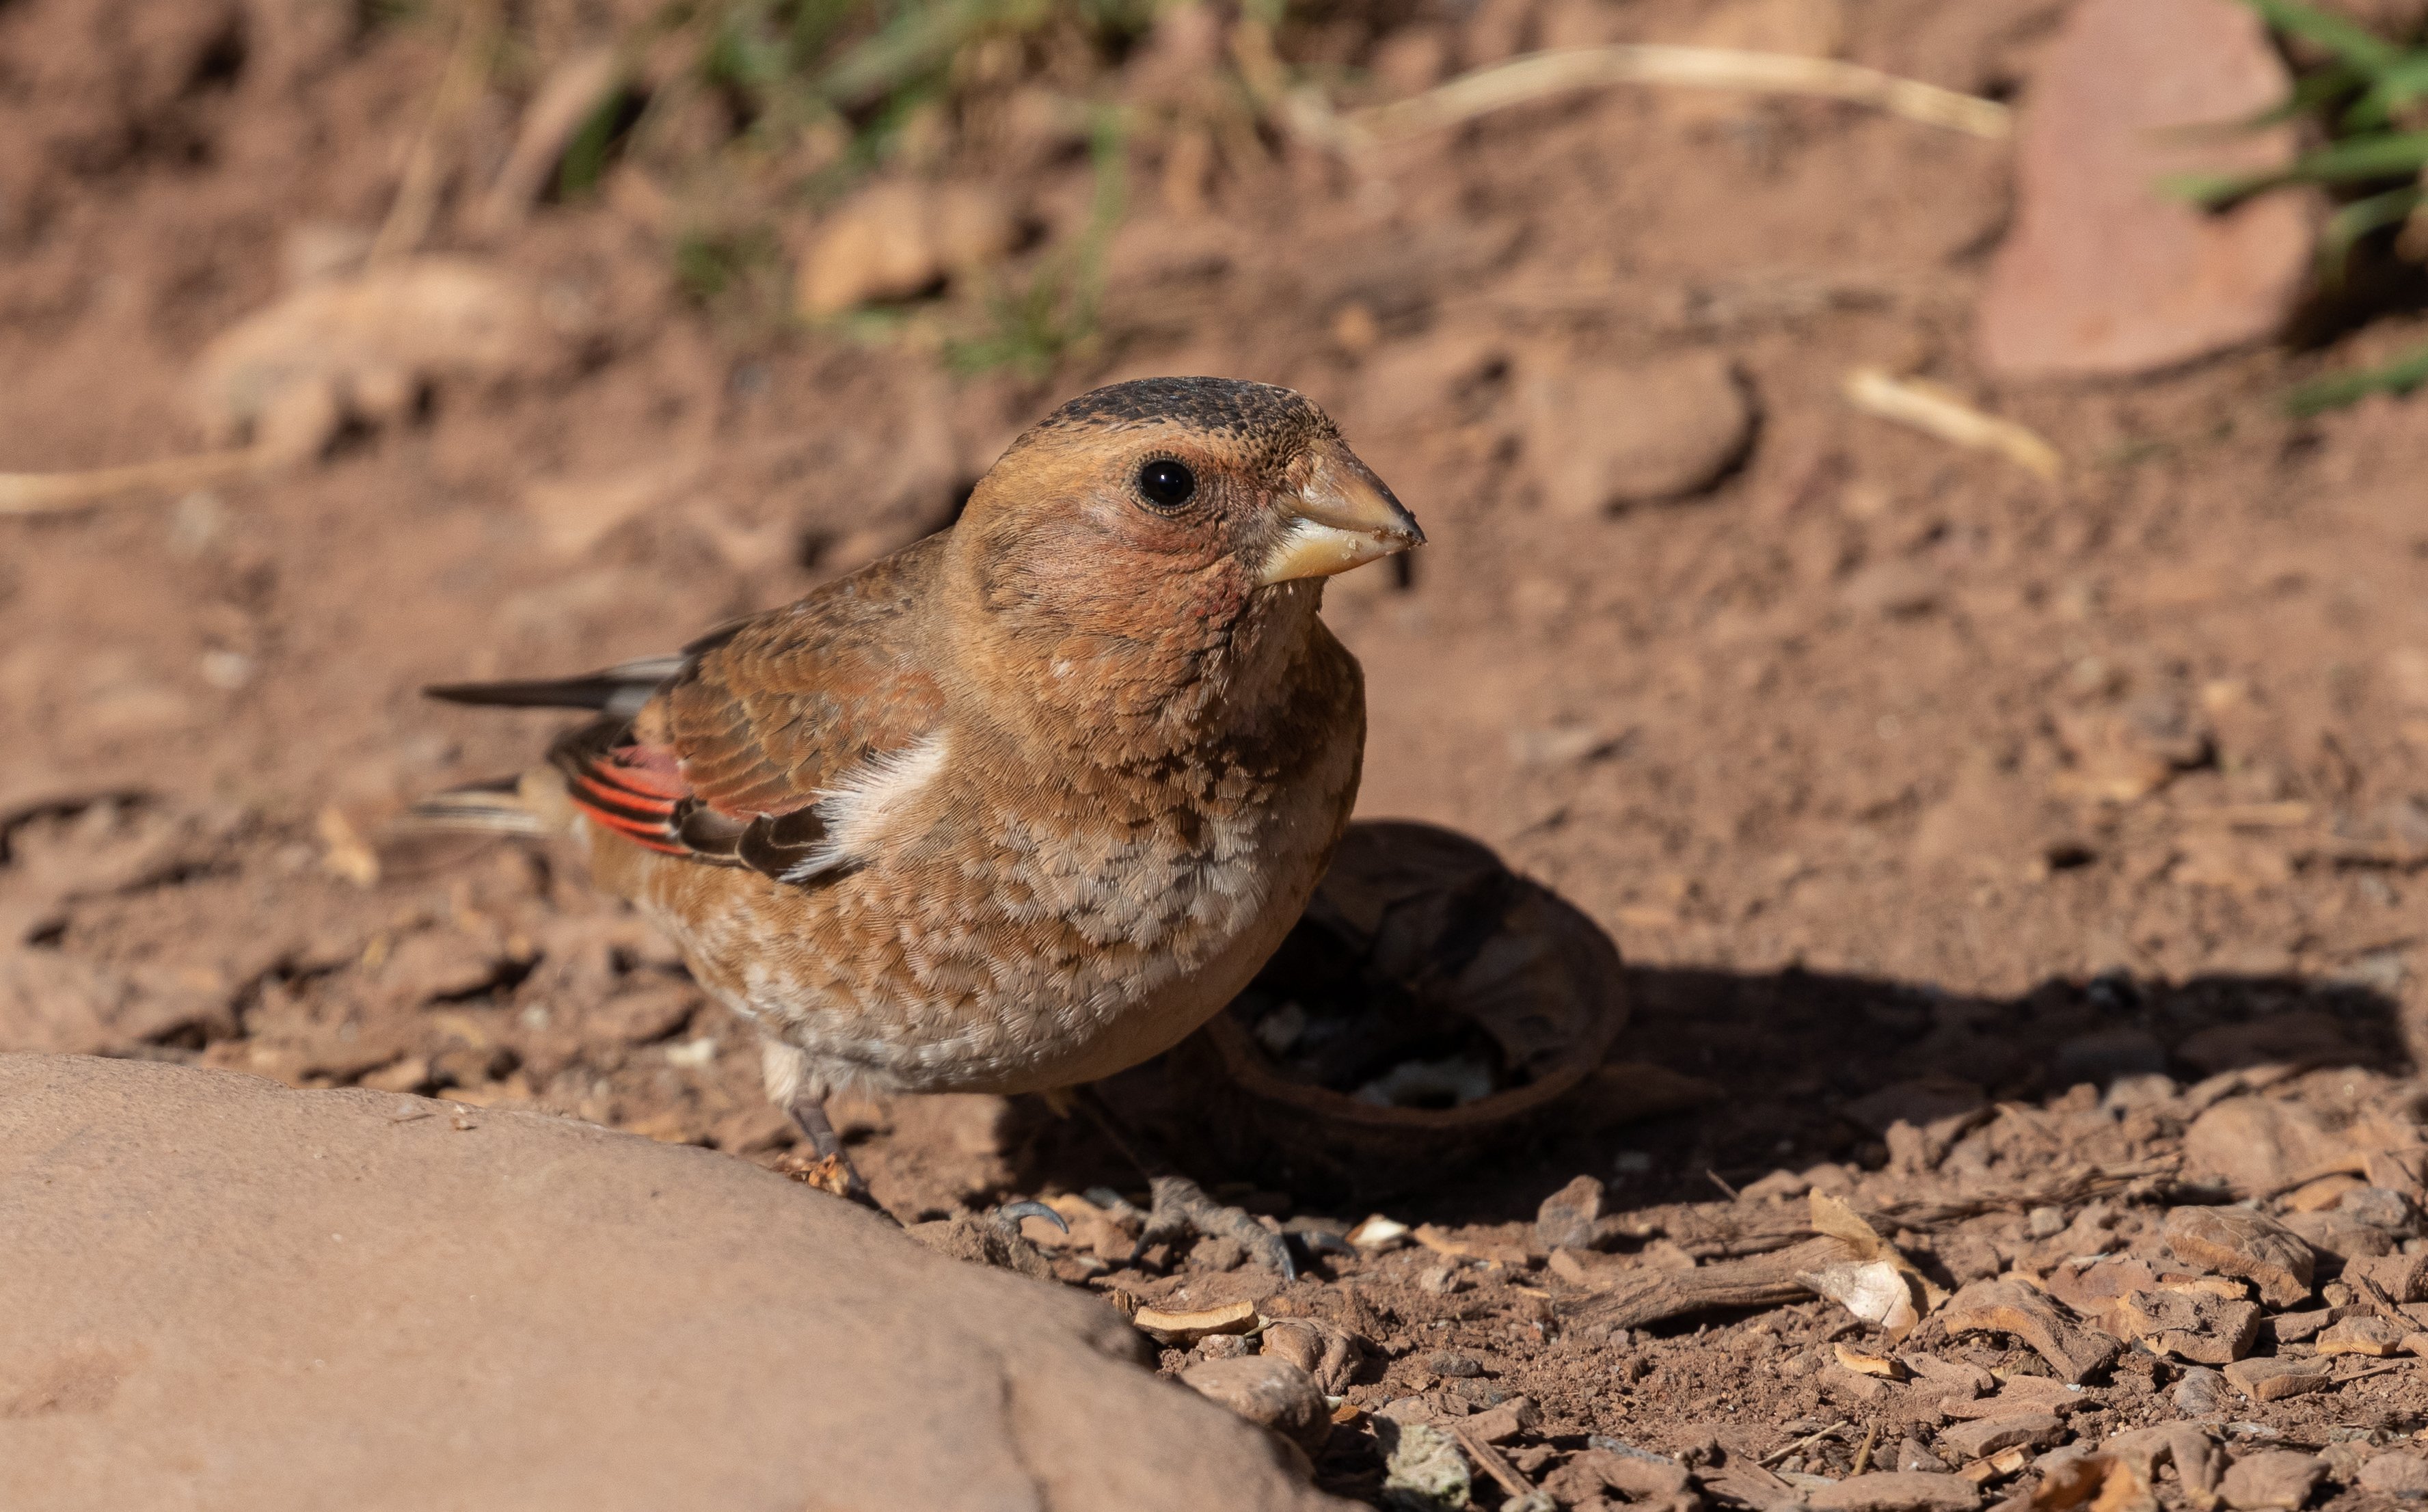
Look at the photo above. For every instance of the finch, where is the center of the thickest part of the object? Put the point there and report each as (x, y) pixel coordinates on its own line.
(1020, 805)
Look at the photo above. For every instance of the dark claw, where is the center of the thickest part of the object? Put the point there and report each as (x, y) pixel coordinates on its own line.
(1323, 1242)
(1011, 1213)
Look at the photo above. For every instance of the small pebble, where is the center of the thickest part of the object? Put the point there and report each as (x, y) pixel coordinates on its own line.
(2277, 1480)
(1441, 1280)
(2395, 1475)
(2044, 1222)
(1446, 1362)
(1912, 1455)
(2201, 1393)
(1422, 1466)
(1269, 1392)
(2377, 1207)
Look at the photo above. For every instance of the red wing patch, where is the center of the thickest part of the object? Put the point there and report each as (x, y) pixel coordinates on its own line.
(633, 790)
(635, 809)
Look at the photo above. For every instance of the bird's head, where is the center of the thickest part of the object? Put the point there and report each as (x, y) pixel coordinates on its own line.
(1166, 532)
(1196, 490)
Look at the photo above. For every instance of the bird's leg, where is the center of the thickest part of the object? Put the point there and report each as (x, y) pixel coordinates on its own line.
(791, 1087)
(1180, 1206)
(830, 1170)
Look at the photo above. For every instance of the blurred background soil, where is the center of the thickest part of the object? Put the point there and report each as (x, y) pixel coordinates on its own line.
(524, 340)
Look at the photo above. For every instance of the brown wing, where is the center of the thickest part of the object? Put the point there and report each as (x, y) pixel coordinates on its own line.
(726, 762)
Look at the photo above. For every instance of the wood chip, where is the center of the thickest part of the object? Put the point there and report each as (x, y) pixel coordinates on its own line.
(2273, 1380)
(1584, 1268)
(2191, 1325)
(1986, 1439)
(1631, 1299)
(1880, 1365)
(1188, 1327)
(2019, 1396)
(2094, 1482)
(1997, 1467)
(2297, 1327)
(2009, 1307)
(1497, 1256)
(2277, 1479)
(2367, 1335)
(1498, 1424)
(1952, 1378)
(2246, 1243)
(1897, 1491)
(2402, 1278)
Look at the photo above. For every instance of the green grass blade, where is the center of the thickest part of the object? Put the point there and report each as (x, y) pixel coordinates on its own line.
(2355, 44)
(2395, 88)
(2392, 155)
(2386, 156)
(2403, 374)
(585, 156)
(921, 39)
(2357, 220)
(2215, 190)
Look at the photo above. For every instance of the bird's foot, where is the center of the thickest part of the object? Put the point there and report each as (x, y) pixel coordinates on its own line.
(823, 1164)
(1007, 1217)
(1181, 1209)
(831, 1173)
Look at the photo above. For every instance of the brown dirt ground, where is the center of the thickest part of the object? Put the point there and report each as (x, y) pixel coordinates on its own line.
(1882, 762)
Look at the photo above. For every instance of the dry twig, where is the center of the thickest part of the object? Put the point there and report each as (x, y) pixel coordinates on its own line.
(1864, 1455)
(1934, 411)
(1631, 1299)
(42, 493)
(416, 195)
(2078, 1185)
(1493, 1463)
(1803, 1444)
(1538, 75)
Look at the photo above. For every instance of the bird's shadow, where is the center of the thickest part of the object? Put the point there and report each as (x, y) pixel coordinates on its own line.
(1785, 1069)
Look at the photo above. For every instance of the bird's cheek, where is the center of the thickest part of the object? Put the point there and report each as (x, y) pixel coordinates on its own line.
(1217, 596)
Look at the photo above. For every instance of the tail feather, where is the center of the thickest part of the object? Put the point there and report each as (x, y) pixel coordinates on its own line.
(619, 690)
(480, 810)
(502, 808)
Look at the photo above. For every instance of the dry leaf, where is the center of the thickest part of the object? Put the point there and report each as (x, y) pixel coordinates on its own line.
(1379, 1233)
(1834, 1217)
(1874, 1291)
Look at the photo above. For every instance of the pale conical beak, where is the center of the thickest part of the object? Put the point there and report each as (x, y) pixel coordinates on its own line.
(1345, 517)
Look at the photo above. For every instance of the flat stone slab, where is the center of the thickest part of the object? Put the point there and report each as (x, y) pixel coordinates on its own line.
(224, 1293)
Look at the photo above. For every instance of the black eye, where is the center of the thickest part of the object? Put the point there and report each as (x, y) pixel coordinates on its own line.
(1165, 483)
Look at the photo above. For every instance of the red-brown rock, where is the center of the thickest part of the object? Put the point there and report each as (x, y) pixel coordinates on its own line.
(224, 1294)
(2103, 272)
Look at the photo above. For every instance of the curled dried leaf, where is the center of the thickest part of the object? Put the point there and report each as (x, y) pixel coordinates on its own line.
(1874, 1291)
(1863, 1364)
(1188, 1327)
